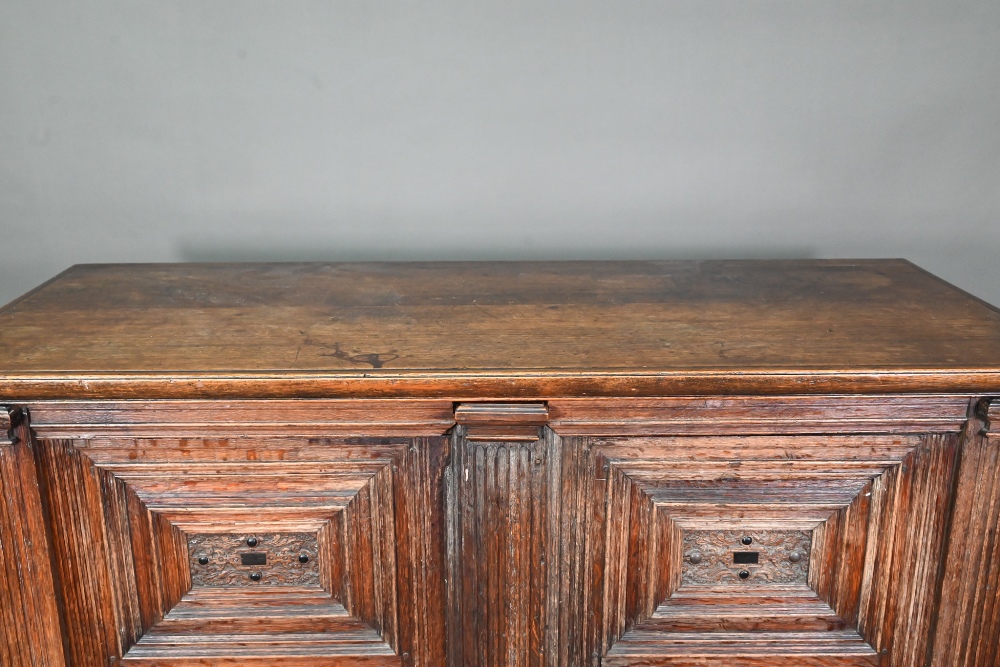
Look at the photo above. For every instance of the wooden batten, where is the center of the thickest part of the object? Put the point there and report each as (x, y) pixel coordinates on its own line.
(502, 421)
(892, 413)
(203, 418)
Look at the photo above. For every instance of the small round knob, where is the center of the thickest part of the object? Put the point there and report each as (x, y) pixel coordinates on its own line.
(747, 540)
(255, 576)
(251, 541)
(203, 560)
(694, 557)
(795, 556)
(744, 574)
(303, 558)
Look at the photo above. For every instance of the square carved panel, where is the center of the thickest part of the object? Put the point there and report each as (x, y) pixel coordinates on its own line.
(837, 539)
(227, 552)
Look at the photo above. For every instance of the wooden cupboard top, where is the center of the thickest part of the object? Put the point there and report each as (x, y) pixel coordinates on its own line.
(496, 329)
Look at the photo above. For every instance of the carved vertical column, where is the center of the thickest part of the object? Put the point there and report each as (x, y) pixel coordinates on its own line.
(502, 491)
(968, 629)
(29, 618)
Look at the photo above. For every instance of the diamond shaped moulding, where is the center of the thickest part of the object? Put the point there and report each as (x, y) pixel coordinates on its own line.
(869, 510)
(140, 530)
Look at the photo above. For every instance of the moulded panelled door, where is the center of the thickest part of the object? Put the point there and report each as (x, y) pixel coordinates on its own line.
(827, 531)
(759, 531)
(246, 533)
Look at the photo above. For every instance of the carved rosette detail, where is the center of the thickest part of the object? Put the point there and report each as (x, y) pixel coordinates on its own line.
(709, 558)
(225, 555)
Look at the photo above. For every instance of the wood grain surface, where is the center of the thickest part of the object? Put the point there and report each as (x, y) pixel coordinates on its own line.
(30, 632)
(500, 329)
(120, 526)
(500, 465)
(968, 621)
(557, 551)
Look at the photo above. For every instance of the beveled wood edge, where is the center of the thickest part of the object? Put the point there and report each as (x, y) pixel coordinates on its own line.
(502, 421)
(165, 418)
(495, 385)
(502, 413)
(752, 415)
(969, 295)
(596, 416)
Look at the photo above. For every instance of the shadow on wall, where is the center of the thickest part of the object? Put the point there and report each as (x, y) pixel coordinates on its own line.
(334, 253)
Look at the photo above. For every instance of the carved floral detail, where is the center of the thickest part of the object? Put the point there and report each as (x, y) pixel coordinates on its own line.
(783, 558)
(225, 567)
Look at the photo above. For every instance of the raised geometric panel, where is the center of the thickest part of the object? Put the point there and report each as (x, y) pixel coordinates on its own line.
(147, 527)
(555, 551)
(853, 510)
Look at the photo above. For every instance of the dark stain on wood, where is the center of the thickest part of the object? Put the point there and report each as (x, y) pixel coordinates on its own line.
(374, 359)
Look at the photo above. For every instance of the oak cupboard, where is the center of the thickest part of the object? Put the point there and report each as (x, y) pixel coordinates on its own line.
(753, 463)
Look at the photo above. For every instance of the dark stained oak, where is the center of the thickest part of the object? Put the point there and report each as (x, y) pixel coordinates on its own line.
(496, 329)
(968, 629)
(29, 617)
(551, 464)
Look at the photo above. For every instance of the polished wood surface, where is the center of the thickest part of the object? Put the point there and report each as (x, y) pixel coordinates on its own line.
(500, 465)
(498, 328)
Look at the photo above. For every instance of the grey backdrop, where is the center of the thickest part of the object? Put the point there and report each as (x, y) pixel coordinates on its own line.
(198, 130)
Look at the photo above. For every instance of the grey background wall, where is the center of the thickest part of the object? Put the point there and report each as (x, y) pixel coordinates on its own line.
(196, 130)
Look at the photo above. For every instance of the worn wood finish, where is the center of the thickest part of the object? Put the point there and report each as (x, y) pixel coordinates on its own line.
(876, 506)
(501, 464)
(747, 415)
(968, 621)
(492, 386)
(431, 329)
(200, 418)
(10, 417)
(29, 619)
(122, 525)
(502, 497)
(754, 649)
(502, 422)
